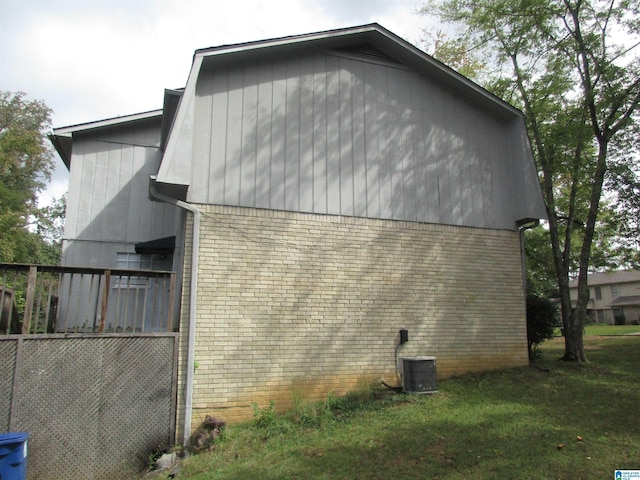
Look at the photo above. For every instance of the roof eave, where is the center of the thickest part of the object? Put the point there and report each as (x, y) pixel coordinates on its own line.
(108, 122)
(62, 138)
(63, 145)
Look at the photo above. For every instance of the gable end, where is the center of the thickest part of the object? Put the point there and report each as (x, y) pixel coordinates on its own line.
(366, 52)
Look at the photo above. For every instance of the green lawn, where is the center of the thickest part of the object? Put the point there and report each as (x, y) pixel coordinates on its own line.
(602, 329)
(559, 421)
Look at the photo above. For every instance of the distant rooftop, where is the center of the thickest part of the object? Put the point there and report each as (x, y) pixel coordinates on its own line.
(607, 278)
(628, 301)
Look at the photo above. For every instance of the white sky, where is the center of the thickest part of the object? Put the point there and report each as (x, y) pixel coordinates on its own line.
(95, 59)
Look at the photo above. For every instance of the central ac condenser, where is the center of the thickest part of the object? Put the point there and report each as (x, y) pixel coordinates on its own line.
(419, 375)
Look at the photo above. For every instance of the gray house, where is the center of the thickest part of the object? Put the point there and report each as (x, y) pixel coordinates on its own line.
(316, 194)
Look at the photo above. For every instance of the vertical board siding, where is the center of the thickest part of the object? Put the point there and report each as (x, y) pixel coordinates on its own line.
(249, 137)
(109, 194)
(263, 137)
(337, 135)
(320, 130)
(292, 137)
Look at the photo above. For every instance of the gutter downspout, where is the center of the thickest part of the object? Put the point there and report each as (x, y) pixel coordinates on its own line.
(191, 342)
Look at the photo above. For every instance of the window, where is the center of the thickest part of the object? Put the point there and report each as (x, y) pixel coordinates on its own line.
(614, 291)
(140, 261)
(145, 261)
(133, 260)
(600, 314)
(598, 292)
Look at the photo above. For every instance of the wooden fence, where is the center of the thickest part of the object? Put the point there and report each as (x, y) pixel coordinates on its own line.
(61, 299)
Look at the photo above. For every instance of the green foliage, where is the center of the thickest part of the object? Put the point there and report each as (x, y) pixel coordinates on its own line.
(541, 277)
(25, 166)
(542, 319)
(264, 417)
(454, 53)
(306, 413)
(266, 420)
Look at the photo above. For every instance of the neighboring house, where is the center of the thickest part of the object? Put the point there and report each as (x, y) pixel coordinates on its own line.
(320, 193)
(611, 295)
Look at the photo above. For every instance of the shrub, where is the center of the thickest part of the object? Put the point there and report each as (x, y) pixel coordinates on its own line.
(542, 318)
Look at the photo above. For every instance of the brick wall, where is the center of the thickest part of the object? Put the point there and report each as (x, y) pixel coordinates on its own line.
(294, 305)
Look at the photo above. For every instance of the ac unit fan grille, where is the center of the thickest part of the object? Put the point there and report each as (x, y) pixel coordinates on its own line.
(419, 375)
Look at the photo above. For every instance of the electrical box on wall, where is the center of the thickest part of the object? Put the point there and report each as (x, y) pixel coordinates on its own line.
(404, 336)
(419, 375)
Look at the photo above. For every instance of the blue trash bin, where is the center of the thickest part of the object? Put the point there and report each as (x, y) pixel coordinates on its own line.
(13, 456)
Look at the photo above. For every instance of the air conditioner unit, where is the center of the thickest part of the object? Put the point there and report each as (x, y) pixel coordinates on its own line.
(419, 375)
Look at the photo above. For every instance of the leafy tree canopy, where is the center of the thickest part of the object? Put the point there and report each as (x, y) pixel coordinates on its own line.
(26, 163)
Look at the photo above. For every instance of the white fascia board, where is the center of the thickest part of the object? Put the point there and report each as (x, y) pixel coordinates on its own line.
(109, 122)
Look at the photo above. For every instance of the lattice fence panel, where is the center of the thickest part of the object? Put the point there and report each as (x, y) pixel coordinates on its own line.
(146, 392)
(95, 406)
(7, 370)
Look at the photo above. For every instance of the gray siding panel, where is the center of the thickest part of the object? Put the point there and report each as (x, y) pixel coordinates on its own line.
(249, 141)
(320, 130)
(218, 147)
(233, 162)
(334, 134)
(109, 207)
(306, 136)
(277, 139)
(202, 131)
(292, 137)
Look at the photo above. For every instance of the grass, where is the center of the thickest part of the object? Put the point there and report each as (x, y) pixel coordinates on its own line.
(602, 329)
(559, 421)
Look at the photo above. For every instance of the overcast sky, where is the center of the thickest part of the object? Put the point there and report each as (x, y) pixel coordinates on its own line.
(95, 59)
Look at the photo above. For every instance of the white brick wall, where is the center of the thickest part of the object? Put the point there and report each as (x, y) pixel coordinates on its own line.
(293, 304)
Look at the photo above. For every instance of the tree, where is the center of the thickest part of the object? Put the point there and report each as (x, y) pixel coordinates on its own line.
(542, 318)
(49, 226)
(580, 93)
(541, 280)
(26, 163)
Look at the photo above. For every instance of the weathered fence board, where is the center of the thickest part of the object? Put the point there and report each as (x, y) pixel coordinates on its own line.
(63, 299)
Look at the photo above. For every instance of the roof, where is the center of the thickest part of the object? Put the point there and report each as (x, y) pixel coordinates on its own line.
(630, 300)
(62, 137)
(608, 278)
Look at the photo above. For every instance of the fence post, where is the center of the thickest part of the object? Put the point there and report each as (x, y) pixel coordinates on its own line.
(172, 292)
(105, 300)
(31, 293)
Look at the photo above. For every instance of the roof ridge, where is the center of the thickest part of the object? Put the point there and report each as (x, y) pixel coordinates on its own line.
(300, 36)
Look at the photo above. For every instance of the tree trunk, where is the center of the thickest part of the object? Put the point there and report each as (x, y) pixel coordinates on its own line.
(574, 339)
(574, 342)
